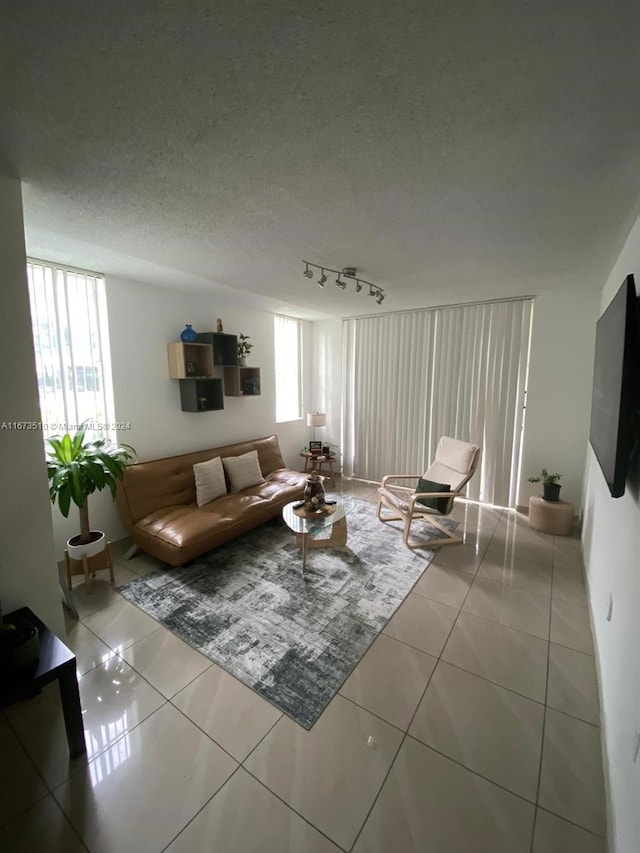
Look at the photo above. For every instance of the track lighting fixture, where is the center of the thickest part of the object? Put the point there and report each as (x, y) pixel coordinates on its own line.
(344, 273)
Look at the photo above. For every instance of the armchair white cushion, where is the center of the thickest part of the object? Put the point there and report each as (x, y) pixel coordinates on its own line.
(454, 464)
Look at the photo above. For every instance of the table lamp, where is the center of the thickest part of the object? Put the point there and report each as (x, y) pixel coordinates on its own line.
(316, 419)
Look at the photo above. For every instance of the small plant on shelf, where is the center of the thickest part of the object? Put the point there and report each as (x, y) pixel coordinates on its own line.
(550, 485)
(244, 348)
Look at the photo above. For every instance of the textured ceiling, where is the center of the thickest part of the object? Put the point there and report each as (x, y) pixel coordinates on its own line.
(450, 150)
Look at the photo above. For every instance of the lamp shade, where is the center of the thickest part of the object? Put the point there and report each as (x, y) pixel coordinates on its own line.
(316, 419)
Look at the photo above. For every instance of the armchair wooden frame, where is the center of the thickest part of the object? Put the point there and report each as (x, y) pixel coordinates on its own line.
(413, 512)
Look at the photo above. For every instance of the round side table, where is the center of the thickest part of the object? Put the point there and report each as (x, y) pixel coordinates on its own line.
(320, 461)
(554, 517)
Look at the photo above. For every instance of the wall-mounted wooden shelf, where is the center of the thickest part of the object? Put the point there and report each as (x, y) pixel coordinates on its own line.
(189, 361)
(225, 347)
(242, 381)
(201, 395)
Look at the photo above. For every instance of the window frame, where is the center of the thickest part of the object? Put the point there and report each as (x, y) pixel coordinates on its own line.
(63, 368)
(289, 418)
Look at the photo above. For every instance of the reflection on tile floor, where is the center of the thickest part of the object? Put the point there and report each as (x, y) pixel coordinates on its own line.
(471, 724)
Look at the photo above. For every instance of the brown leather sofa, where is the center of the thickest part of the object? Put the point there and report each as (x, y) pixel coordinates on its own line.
(157, 501)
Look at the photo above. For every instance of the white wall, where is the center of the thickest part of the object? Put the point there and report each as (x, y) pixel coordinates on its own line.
(28, 572)
(611, 548)
(559, 389)
(142, 320)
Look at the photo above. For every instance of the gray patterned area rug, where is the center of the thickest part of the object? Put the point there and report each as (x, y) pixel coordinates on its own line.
(294, 640)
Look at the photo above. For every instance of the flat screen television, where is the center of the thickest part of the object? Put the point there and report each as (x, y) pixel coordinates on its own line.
(616, 381)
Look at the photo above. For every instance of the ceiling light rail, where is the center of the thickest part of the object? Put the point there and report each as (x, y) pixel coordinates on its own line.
(345, 275)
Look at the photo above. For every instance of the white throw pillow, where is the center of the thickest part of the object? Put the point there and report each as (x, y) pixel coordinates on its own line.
(210, 482)
(243, 471)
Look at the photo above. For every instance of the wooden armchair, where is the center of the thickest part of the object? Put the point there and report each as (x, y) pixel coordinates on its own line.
(454, 465)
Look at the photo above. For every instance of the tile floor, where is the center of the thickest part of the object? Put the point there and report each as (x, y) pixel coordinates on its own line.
(470, 726)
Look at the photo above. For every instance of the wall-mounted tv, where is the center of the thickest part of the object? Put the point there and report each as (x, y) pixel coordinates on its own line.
(616, 385)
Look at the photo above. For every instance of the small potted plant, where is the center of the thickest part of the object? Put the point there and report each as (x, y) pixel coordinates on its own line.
(550, 485)
(244, 348)
(77, 467)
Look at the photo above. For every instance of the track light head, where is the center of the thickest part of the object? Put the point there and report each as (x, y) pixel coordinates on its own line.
(344, 276)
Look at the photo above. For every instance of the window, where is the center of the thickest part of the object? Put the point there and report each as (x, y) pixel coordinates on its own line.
(69, 322)
(288, 353)
(415, 376)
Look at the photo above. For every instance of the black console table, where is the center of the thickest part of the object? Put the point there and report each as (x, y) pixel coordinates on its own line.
(56, 661)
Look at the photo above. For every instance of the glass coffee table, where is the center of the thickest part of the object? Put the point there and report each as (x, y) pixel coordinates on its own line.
(312, 528)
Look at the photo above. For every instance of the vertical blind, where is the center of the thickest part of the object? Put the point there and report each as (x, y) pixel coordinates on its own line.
(71, 342)
(411, 378)
(287, 333)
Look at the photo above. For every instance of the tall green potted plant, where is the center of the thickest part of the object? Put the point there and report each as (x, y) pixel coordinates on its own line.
(78, 467)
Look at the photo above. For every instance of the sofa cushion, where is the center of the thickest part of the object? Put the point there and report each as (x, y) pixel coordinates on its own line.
(210, 481)
(243, 471)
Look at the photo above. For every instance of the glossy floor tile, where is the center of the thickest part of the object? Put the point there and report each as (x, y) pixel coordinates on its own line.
(569, 585)
(488, 729)
(570, 626)
(445, 585)
(422, 623)
(571, 782)
(121, 624)
(552, 834)
(89, 649)
(430, 803)
(89, 598)
(114, 700)
(245, 817)
(41, 829)
(515, 608)
(165, 661)
(389, 681)
(23, 786)
(507, 657)
(573, 684)
(235, 717)
(146, 787)
(331, 774)
(495, 628)
(507, 567)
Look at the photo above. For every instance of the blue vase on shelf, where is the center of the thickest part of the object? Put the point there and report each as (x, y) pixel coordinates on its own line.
(188, 335)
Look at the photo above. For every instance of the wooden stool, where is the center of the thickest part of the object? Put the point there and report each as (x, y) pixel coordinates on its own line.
(554, 517)
(89, 567)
